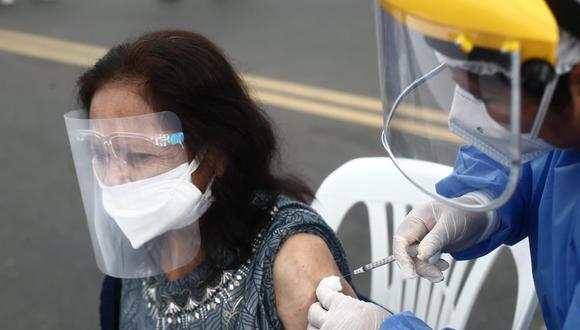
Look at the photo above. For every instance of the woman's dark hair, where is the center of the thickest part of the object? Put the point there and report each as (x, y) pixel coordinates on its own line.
(185, 73)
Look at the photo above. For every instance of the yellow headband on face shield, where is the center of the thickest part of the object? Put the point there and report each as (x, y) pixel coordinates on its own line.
(506, 26)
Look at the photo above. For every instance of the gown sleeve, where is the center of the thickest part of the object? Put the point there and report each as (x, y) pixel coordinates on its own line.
(405, 321)
(573, 317)
(473, 170)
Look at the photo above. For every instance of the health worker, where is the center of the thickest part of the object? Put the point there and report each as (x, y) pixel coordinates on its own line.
(493, 89)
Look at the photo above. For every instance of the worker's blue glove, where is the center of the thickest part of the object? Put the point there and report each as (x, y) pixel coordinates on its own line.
(440, 228)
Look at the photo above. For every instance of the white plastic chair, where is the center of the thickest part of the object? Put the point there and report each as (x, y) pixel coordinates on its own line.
(377, 183)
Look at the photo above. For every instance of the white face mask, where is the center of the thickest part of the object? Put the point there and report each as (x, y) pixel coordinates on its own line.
(148, 208)
(469, 120)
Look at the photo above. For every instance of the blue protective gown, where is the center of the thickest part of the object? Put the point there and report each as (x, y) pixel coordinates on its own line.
(404, 321)
(546, 209)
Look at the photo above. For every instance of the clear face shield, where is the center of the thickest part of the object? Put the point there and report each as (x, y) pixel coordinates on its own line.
(135, 181)
(440, 95)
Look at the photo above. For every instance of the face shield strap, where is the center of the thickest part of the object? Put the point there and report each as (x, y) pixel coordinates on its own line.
(515, 112)
(544, 106)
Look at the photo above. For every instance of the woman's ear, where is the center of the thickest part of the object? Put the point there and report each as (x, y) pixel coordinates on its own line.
(209, 167)
(214, 162)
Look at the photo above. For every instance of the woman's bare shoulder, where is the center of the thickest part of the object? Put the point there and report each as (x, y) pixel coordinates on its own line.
(302, 261)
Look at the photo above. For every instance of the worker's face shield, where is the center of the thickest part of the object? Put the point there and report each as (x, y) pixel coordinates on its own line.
(438, 97)
(115, 159)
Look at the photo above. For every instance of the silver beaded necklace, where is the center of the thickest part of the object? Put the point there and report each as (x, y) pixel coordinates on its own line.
(167, 312)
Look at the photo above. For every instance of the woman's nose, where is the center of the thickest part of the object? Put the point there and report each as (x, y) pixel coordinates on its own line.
(115, 173)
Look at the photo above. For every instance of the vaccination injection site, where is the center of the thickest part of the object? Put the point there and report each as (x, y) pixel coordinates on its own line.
(309, 165)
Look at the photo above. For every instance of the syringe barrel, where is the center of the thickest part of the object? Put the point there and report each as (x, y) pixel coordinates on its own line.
(377, 263)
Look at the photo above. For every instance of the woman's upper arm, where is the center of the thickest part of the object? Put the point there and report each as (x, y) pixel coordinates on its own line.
(300, 264)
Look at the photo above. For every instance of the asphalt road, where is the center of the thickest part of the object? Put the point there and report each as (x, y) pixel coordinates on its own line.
(48, 279)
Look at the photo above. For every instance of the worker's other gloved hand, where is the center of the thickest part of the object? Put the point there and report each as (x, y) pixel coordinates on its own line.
(431, 269)
(440, 228)
(335, 310)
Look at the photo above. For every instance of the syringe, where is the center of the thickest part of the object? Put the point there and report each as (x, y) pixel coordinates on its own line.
(412, 251)
(373, 265)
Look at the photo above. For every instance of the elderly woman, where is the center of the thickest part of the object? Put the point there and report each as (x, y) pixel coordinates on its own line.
(175, 165)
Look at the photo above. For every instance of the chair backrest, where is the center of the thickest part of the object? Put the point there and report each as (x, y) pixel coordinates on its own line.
(378, 184)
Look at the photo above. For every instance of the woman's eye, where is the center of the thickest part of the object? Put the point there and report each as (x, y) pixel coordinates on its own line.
(102, 158)
(100, 154)
(136, 157)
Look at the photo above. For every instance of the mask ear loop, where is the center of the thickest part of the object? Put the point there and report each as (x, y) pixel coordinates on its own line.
(543, 107)
(206, 195)
(198, 159)
(193, 166)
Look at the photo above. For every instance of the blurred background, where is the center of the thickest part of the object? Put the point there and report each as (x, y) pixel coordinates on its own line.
(312, 65)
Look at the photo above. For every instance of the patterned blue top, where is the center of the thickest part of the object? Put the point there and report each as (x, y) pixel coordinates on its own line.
(240, 298)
